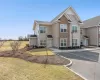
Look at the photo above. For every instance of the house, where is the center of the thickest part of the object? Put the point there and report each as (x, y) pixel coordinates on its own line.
(62, 32)
(90, 32)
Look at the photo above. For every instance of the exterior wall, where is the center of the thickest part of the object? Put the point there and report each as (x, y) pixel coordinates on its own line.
(36, 32)
(55, 34)
(92, 33)
(43, 36)
(32, 41)
(75, 22)
(75, 35)
(83, 34)
(54, 30)
(64, 20)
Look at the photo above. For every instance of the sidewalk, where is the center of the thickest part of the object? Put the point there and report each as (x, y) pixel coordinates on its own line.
(75, 50)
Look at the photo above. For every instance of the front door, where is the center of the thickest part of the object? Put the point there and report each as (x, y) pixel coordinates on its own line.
(85, 42)
(49, 43)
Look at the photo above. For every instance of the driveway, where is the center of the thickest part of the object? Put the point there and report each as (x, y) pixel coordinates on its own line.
(86, 63)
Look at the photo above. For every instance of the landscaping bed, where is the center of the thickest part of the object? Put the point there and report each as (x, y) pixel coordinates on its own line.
(51, 59)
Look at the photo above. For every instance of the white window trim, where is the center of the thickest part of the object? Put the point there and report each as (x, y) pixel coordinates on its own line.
(72, 28)
(39, 29)
(63, 41)
(63, 28)
(74, 43)
(43, 42)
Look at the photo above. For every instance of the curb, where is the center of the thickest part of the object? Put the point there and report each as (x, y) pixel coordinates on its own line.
(67, 65)
(76, 73)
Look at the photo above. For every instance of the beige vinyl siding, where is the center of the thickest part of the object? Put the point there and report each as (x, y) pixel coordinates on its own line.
(32, 41)
(55, 34)
(92, 33)
(83, 33)
(75, 35)
(43, 36)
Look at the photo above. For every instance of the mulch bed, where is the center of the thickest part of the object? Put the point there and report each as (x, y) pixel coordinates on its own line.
(43, 59)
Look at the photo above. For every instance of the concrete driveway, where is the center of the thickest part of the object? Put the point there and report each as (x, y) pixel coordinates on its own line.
(86, 63)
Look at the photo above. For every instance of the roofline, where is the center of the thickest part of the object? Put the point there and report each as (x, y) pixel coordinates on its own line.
(91, 18)
(60, 13)
(65, 11)
(35, 23)
(89, 27)
(76, 14)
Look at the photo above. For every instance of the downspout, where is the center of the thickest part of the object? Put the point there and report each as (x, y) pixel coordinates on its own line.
(98, 35)
(59, 34)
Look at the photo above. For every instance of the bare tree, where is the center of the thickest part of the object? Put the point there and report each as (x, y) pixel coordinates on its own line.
(2, 43)
(46, 60)
(15, 45)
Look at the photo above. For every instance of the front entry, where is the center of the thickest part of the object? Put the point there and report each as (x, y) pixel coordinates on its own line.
(49, 43)
(85, 42)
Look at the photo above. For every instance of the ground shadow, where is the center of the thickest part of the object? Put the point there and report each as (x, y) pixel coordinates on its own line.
(82, 55)
(38, 50)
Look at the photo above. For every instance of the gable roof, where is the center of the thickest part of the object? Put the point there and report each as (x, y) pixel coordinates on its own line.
(41, 21)
(68, 16)
(62, 13)
(92, 22)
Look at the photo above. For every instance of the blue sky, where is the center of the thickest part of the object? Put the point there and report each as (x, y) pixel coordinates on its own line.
(17, 16)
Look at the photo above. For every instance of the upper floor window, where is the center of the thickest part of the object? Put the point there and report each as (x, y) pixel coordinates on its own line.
(74, 28)
(63, 27)
(42, 29)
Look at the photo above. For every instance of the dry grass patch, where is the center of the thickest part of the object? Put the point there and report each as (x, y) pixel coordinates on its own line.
(17, 69)
(6, 45)
(41, 51)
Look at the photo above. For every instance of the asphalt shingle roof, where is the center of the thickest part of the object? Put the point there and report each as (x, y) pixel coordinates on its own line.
(92, 22)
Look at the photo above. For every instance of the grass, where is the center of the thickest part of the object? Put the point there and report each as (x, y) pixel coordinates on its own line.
(6, 45)
(40, 52)
(17, 69)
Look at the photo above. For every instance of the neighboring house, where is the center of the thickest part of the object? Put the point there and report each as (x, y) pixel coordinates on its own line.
(90, 32)
(62, 32)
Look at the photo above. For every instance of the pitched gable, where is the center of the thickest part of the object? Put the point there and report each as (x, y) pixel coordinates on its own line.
(67, 12)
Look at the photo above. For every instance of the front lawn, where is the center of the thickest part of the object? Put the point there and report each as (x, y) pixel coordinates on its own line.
(17, 69)
(23, 67)
(40, 52)
(6, 45)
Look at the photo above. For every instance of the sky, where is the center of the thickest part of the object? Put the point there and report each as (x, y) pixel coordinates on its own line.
(17, 16)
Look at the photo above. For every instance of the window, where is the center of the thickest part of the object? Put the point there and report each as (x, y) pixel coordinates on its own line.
(63, 27)
(74, 28)
(74, 42)
(42, 29)
(42, 42)
(63, 42)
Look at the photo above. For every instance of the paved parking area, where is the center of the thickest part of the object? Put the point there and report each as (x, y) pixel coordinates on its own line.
(86, 63)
